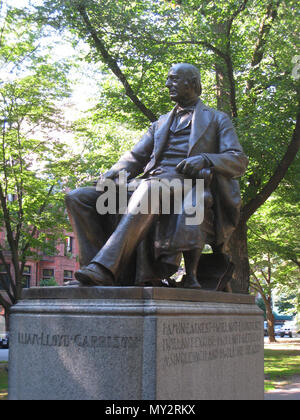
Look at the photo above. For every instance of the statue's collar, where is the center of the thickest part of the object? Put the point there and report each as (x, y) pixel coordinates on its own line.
(190, 108)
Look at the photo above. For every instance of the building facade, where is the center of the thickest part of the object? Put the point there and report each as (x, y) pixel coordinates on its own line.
(47, 269)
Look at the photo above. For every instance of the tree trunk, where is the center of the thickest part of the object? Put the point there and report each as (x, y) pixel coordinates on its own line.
(223, 82)
(6, 317)
(238, 252)
(270, 320)
(223, 89)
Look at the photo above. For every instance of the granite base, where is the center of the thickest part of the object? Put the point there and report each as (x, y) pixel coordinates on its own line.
(129, 343)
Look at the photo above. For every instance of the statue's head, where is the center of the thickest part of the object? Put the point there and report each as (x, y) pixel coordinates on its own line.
(184, 83)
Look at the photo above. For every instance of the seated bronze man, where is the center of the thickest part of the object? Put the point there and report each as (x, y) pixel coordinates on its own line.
(192, 141)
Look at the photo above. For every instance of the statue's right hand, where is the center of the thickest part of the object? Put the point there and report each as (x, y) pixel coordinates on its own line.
(111, 174)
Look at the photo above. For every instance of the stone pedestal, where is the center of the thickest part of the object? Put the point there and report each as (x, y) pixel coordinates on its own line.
(129, 343)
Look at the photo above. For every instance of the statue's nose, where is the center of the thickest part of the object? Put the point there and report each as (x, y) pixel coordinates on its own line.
(168, 83)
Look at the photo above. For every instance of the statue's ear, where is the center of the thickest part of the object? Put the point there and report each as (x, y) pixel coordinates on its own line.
(197, 86)
(200, 89)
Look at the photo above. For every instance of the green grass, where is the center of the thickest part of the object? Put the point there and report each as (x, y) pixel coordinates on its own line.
(3, 381)
(280, 366)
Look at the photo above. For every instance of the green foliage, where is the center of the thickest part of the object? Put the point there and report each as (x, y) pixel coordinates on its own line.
(275, 229)
(48, 282)
(244, 49)
(31, 154)
(101, 143)
(145, 37)
(274, 250)
(287, 304)
(260, 303)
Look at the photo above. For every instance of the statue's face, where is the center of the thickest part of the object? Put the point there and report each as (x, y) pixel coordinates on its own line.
(179, 85)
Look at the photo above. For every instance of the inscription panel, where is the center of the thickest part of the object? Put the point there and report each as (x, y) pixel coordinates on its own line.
(77, 340)
(184, 342)
(88, 355)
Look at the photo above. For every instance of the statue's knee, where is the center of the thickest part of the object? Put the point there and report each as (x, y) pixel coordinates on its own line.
(84, 196)
(72, 197)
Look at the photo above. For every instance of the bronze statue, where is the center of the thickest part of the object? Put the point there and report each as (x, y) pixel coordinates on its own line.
(192, 141)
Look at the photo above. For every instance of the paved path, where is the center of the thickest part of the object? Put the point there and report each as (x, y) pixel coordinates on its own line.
(283, 343)
(290, 391)
(287, 392)
(3, 355)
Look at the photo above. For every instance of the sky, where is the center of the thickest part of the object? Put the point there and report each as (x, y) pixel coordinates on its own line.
(84, 80)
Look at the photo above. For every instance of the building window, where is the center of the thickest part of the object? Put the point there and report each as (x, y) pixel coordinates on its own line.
(69, 246)
(26, 277)
(48, 274)
(3, 276)
(50, 247)
(68, 276)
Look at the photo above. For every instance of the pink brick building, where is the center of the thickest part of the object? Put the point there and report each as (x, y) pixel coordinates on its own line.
(60, 267)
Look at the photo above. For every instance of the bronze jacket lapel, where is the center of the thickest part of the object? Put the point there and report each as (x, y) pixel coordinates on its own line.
(202, 119)
(162, 132)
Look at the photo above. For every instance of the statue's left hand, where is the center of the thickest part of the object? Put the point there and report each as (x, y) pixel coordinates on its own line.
(192, 165)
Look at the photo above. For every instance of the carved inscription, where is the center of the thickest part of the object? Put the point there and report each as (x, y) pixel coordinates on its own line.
(186, 342)
(83, 341)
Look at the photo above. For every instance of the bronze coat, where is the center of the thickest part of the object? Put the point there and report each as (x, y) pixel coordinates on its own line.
(213, 136)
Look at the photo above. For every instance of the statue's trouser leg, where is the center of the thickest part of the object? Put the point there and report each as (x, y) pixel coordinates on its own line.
(191, 260)
(131, 230)
(86, 222)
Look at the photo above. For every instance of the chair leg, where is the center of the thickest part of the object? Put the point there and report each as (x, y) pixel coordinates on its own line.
(191, 261)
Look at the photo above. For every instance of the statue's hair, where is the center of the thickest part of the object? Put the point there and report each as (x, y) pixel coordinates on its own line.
(193, 75)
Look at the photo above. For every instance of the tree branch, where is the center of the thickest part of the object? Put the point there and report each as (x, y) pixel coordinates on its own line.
(113, 65)
(250, 208)
(257, 286)
(228, 59)
(11, 282)
(264, 275)
(233, 104)
(206, 44)
(296, 262)
(264, 31)
(4, 302)
(19, 187)
(34, 230)
(6, 215)
(241, 8)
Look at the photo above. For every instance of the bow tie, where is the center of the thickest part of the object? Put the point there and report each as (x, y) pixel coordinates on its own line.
(187, 110)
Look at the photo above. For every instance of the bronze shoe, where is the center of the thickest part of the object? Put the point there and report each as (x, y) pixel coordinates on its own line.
(88, 277)
(190, 282)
